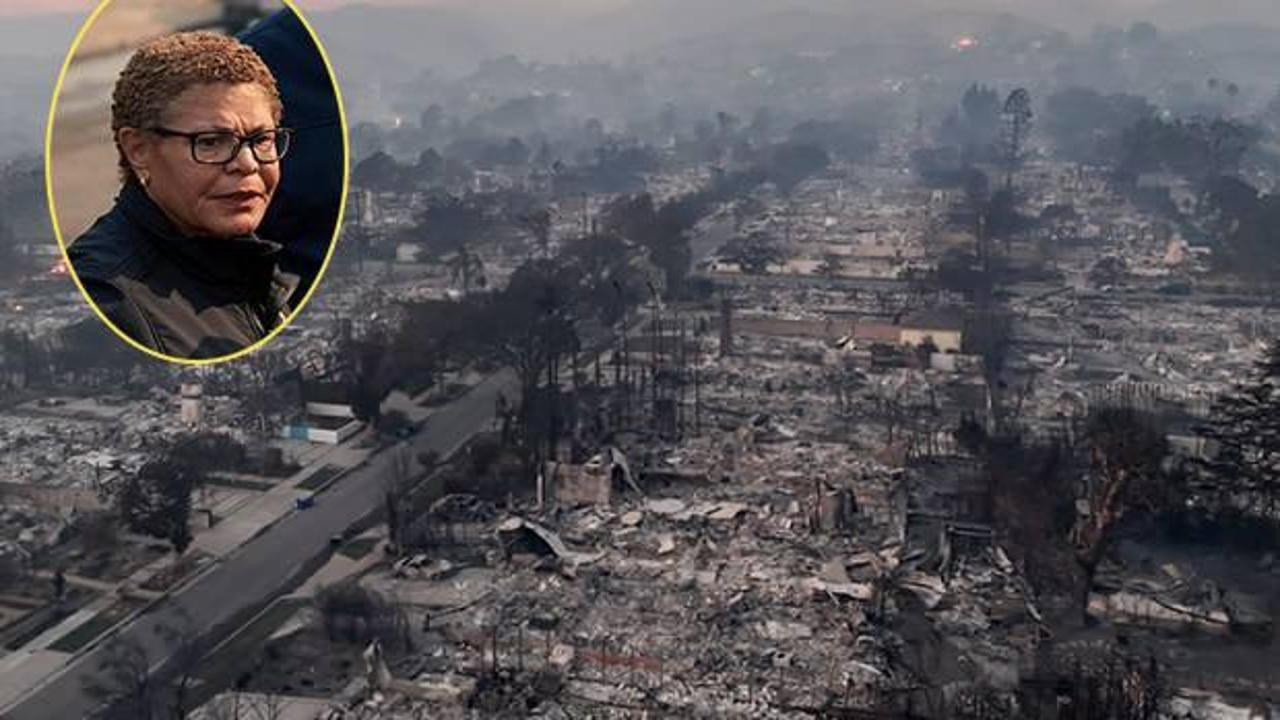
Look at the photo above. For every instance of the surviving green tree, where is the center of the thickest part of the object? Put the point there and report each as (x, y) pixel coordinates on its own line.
(156, 501)
(1244, 474)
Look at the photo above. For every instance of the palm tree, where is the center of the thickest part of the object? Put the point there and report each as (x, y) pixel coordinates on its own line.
(1017, 118)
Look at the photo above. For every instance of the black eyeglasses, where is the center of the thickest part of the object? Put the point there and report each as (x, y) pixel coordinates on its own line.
(220, 147)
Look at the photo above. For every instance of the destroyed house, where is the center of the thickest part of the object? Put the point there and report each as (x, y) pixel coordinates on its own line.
(873, 332)
(945, 329)
(825, 329)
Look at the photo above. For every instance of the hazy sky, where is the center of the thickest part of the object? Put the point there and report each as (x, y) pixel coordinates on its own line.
(26, 7)
(31, 7)
(1071, 15)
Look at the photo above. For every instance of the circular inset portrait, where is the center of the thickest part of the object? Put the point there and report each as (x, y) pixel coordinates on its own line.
(196, 164)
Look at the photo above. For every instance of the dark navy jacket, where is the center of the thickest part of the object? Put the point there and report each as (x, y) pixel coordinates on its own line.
(180, 296)
(304, 213)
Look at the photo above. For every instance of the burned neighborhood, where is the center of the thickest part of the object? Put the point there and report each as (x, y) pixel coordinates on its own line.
(782, 359)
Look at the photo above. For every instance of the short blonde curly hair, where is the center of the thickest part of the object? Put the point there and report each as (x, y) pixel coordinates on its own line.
(163, 68)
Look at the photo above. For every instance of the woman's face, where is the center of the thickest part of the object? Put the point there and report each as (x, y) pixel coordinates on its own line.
(210, 200)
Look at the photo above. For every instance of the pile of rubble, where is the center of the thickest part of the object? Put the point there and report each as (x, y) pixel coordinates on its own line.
(780, 591)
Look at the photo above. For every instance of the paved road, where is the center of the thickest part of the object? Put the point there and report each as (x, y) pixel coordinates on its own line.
(262, 568)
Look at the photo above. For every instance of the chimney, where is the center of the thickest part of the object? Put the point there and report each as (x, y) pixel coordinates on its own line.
(726, 327)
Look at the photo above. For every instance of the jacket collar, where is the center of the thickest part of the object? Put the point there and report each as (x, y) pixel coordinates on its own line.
(247, 262)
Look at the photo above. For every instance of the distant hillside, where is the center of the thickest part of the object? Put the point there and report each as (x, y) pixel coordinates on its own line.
(452, 38)
(949, 23)
(379, 50)
(366, 40)
(1235, 38)
(759, 38)
(1188, 14)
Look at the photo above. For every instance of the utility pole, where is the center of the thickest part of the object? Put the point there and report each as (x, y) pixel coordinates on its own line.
(697, 386)
(655, 349)
(683, 417)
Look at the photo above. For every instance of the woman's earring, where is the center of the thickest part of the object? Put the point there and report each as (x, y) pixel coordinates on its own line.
(144, 178)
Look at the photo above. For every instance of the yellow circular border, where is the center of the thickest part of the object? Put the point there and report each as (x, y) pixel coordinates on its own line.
(333, 242)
